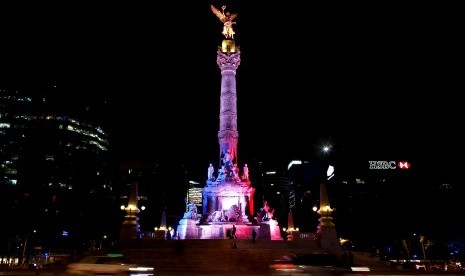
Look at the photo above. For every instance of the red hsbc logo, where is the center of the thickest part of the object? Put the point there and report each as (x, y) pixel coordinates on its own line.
(403, 165)
(389, 165)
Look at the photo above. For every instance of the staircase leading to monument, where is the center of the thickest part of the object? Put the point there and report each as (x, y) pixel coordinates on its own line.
(214, 255)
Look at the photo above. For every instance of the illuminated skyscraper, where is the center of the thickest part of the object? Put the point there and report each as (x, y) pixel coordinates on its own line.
(55, 171)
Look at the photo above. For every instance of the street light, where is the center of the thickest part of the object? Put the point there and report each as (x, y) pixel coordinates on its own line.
(327, 210)
(102, 241)
(324, 210)
(25, 245)
(132, 209)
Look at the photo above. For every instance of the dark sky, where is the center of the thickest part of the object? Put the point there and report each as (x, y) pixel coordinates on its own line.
(382, 82)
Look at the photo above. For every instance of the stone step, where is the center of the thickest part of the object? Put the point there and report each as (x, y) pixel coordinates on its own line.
(217, 255)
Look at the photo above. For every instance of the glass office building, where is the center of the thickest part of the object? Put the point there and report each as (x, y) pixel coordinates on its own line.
(55, 173)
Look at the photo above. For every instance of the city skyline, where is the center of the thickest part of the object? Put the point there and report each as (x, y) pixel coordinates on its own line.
(377, 83)
(374, 83)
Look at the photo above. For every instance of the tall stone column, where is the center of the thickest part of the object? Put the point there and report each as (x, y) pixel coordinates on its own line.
(228, 135)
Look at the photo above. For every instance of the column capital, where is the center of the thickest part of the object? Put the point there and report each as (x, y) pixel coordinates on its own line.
(228, 62)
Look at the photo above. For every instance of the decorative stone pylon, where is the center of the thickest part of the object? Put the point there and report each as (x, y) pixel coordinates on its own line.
(130, 229)
(291, 231)
(163, 220)
(326, 232)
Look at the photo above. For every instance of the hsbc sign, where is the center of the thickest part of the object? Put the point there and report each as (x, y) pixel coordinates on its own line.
(389, 165)
(403, 165)
(382, 165)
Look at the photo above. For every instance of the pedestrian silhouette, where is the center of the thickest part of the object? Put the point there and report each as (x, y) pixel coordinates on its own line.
(233, 234)
(351, 259)
(345, 258)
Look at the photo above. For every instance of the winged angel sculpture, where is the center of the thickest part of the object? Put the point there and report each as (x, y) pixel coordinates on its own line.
(227, 19)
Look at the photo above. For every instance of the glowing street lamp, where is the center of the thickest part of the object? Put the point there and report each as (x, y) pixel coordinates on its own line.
(327, 210)
(326, 148)
(130, 209)
(130, 230)
(25, 245)
(102, 241)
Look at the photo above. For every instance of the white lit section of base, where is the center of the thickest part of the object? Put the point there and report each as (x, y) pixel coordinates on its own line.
(360, 268)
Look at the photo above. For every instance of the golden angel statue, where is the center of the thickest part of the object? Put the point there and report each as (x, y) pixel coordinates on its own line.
(227, 19)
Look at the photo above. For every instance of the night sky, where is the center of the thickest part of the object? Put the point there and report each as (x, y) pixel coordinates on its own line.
(378, 81)
(375, 78)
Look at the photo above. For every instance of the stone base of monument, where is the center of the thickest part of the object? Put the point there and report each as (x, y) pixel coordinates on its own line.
(224, 231)
(212, 231)
(129, 232)
(187, 229)
(274, 231)
(328, 239)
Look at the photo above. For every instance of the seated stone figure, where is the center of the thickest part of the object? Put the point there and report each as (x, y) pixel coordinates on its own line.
(266, 212)
(221, 174)
(191, 212)
(228, 165)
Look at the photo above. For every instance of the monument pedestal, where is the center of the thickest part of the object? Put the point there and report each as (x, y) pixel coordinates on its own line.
(187, 229)
(275, 232)
(129, 235)
(329, 240)
(327, 235)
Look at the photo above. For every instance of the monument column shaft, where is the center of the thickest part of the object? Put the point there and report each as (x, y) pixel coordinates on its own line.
(228, 134)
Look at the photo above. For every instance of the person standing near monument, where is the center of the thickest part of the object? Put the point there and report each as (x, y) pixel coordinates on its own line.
(351, 259)
(254, 235)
